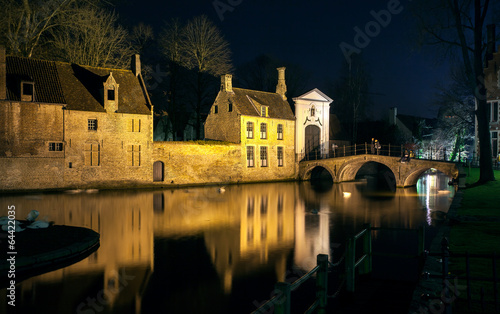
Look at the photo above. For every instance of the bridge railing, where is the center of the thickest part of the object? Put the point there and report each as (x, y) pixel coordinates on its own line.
(384, 150)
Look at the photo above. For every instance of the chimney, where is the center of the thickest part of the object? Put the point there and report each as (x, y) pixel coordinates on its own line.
(3, 74)
(490, 45)
(226, 83)
(393, 115)
(136, 64)
(281, 87)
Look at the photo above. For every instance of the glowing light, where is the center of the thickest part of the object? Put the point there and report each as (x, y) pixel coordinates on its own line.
(347, 194)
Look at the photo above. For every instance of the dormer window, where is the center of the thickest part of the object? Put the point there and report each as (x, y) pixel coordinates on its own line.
(27, 91)
(111, 94)
(263, 111)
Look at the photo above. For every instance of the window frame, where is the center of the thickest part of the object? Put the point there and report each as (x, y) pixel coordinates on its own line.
(280, 131)
(264, 162)
(250, 132)
(263, 131)
(92, 124)
(55, 147)
(280, 153)
(250, 153)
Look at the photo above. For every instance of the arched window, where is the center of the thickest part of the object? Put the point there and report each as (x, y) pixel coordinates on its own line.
(313, 111)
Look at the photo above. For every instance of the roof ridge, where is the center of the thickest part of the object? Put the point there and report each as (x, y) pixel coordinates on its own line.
(67, 63)
(253, 90)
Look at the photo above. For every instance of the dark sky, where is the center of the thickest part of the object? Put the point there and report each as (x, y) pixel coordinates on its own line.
(310, 34)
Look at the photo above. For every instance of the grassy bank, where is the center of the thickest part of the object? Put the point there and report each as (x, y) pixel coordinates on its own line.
(477, 232)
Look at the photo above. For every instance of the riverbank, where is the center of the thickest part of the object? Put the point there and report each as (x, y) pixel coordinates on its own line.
(41, 250)
(472, 225)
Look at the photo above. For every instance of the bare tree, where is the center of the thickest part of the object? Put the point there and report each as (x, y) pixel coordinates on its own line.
(456, 114)
(207, 52)
(352, 93)
(25, 23)
(170, 43)
(458, 27)
(91, 36)
(140, 37)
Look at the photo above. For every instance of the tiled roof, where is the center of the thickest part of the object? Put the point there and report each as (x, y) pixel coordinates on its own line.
(83, 88)
(79, 87)
(248, 103)
(42, 73)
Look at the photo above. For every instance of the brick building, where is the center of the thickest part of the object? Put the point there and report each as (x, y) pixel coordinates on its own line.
(262, 122)
(64, 125)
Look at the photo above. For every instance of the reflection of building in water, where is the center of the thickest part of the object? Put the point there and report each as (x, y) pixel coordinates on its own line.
(117, 272)
(244, 228)
(312, 229)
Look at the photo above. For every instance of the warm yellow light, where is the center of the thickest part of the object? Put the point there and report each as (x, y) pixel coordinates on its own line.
(347, 194)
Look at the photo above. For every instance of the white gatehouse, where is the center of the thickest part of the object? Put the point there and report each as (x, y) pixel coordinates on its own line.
(312, 124)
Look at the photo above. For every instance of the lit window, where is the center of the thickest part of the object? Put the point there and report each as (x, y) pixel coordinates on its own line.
(280, 156)
(263, 131)
(92, 124)
(250, 155)
(55, 147)
(249, 129)
(280, 131)
(263, 156)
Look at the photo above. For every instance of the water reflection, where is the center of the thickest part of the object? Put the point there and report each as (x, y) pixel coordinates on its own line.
(196, 250)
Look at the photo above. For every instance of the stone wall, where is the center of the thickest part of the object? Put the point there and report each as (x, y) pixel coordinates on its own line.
(223, 125)
(28, 173)
(212, 163)
(27, 128)
(118, 153)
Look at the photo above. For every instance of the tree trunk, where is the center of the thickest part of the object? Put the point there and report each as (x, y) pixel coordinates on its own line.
(485, 160)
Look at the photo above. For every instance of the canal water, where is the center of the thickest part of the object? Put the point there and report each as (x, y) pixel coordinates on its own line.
(197, 250)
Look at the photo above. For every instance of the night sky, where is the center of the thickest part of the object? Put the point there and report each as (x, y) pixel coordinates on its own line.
(310, 33)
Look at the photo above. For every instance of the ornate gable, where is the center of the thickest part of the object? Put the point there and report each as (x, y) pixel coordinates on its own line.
(111, 94)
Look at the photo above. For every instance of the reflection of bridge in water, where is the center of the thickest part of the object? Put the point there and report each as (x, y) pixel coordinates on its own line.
(343, 164)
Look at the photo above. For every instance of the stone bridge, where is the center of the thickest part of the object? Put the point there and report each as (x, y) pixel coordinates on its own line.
(344, 169)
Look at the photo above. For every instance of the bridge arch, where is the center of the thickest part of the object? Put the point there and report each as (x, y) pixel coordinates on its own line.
(317, 172)
(412, 178)
(403, 174)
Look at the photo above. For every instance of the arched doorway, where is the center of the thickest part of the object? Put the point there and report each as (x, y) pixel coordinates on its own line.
(158, 171)
(312, 142)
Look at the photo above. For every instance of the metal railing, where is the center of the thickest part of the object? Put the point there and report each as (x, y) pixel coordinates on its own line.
(365, 148)
(446, 275)
(365, 261)
(281, 302)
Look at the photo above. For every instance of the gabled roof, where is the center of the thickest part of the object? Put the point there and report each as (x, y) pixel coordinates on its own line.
(315, 95)
(248, 103)
(79, 87)
(42, 73)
